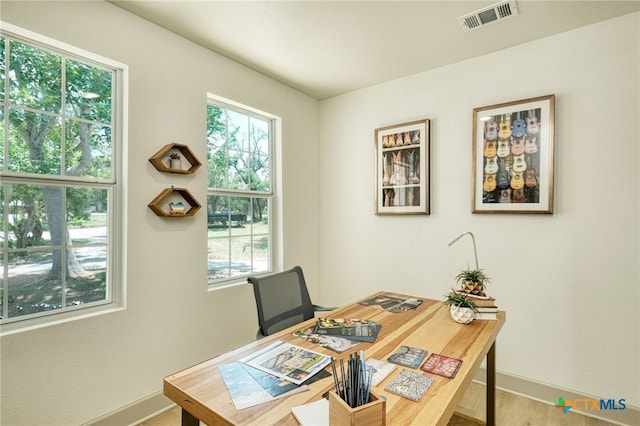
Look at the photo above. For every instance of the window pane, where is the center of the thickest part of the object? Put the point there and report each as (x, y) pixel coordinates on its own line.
(240, 210)
(218, 264)
(87, 215)
(261, 174)
(2, 307)
(261, 248)
(55, 232)
(259, 136)
(1, 139)
(217, 166)
(238, 170)
(238, 130)
(34, 142)
(3, 242)
(218, 211)
(27, 220)
(91, 285)
(2, 68)
(32, 288)
(238, 236)
(238, 159)
(37, 277)
(35, 77)
(260, 254)
(88, 92)
(88, 150)
(216, 126)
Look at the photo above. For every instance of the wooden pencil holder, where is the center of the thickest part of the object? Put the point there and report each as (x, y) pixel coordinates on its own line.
(373, 413)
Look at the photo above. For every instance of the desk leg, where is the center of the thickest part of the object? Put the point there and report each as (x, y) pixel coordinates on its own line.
(491, 385)
(189, 419)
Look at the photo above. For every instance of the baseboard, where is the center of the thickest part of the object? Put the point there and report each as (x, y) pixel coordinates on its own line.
(157, 403)
(136, 412)
(548, 394)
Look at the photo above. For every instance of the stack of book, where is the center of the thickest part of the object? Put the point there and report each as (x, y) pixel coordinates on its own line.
(487, 308)
(348, 328)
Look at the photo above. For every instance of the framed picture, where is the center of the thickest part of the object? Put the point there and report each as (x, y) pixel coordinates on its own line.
(513, 157)
(402, 168)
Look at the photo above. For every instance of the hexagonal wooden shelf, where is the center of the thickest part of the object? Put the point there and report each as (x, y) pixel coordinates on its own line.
(179, 210)
(162, 162)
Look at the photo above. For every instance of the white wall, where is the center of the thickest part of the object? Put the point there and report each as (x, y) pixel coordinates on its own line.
(75, 372)
(569, 282)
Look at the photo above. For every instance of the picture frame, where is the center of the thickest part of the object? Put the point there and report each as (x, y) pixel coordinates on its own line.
(402, 169)
(513, 156)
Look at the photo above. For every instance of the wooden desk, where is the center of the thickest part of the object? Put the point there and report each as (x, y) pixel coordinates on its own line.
(202, 394)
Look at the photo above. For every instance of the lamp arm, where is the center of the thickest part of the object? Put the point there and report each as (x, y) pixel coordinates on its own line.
(473, 238)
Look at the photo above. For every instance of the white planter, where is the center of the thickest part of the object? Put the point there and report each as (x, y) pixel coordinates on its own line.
(175, 164)
(462, 315)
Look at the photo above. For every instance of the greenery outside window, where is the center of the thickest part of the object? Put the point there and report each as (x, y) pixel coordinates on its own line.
(240, 195)
(59, 141)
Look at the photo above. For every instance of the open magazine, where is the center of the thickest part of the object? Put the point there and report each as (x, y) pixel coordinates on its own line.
(287, 361)
(247, 388)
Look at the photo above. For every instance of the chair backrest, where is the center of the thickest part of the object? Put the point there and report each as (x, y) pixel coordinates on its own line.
(282, 300)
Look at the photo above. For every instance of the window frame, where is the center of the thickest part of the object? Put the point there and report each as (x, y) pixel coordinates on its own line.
(115, 248)
(273, 195)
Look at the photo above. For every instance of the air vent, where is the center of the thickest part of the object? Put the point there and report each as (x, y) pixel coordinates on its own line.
(489, 15)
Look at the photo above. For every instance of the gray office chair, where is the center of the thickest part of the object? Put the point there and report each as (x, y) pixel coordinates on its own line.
(282, 300)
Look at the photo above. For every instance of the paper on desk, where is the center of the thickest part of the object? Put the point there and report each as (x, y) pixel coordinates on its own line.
(245, 390)
(312, 414)
(287, 361)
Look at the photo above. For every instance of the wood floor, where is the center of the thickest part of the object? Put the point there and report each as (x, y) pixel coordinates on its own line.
(511, 410)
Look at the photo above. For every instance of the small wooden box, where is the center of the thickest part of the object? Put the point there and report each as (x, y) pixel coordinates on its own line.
(374, 413)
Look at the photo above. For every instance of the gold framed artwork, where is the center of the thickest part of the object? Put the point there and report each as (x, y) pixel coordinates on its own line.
(402, 169)
(513, 154)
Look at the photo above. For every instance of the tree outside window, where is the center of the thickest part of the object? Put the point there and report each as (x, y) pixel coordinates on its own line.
(240, 194)
(58, 180)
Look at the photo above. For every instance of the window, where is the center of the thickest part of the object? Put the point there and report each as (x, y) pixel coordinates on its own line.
(240, 195)
(59, 186)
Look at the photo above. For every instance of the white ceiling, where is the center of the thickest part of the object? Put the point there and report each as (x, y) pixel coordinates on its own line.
(325, 48)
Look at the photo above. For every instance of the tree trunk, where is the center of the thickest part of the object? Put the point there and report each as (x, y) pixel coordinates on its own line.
(34, 136)
(53, 201)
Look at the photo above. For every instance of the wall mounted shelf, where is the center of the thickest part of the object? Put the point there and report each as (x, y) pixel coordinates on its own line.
(161, 159)
(171, 203)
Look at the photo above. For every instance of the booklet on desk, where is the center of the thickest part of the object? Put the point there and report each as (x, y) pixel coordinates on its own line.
(312, 414)
(245, 390)
(392, 304)
(408, 356)
(287, 361)
(362, 332)
(248, 386)
(381, 370)
(335, 343)
(409, 384)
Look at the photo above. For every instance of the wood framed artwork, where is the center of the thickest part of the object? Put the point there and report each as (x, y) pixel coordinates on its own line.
(513, 157)
(402, 168)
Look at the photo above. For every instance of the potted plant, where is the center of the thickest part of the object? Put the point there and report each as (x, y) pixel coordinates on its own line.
(462, 309)
(473, 281)
(174, 161)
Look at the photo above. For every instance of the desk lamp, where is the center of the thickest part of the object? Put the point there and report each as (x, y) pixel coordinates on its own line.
(475, 251)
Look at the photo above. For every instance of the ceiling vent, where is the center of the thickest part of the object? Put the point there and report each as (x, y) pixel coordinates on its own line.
(488, 15)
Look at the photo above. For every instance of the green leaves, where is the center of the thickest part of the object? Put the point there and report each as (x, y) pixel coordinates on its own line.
(460, 300)
(475, 275)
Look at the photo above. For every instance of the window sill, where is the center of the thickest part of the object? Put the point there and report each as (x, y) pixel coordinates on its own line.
(227, 285)
(47, 321)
